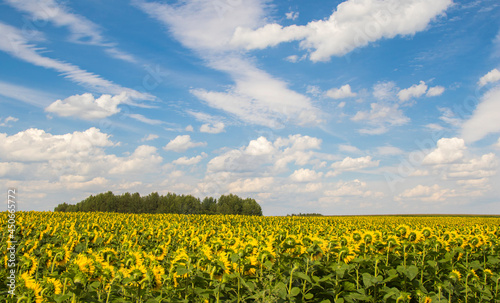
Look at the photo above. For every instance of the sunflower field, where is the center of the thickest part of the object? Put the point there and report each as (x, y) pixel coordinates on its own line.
(109, 257)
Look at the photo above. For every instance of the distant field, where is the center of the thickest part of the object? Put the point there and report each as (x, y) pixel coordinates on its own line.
(103, 257)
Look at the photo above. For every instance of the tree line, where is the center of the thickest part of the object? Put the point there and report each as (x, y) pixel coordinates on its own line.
(171, 204)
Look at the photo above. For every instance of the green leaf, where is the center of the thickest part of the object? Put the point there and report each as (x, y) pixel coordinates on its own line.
(61, 298)
(412, 272)
(367, 280)
(309, 296)
(295, 291)
(349, 286)
(302, 276)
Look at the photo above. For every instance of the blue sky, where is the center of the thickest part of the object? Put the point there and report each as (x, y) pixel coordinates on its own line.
(355, 107)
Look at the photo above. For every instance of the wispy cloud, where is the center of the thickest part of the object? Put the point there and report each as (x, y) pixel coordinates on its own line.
(81, 29)
(15, 43)
(257, 97)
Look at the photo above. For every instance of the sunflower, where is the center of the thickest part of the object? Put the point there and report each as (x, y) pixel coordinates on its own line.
(455, 273)
(86, 265)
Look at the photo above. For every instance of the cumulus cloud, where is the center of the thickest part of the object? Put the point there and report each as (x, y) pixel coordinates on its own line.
(260, 147)
(340, 93)
(353, 24)
(212, 128)
(305, 175)
(145, 158)
(351, 188)
(435, 91)
(37, 145)
(352, 164)
(428, 193)
(7, 120)
(149, 137)
(490, 77)
(380, 117)
(484, 166)
(448, 150)
(87, 107)
(182, 143)
(190, 161)
(484, 119)
(414, 91)
(251, 185)
(262, 154)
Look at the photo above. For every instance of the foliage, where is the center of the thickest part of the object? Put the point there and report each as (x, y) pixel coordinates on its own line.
(112, 257)
(169, 204)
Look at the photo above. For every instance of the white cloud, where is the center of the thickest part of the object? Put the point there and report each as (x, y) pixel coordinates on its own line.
(380, 117)
(37, 145)
(190, 161)
(292, 15)
(292, 58)
(256, 97)
(351, 188)
(414, 91)
(143, 119)
(484, 166)
(145, 158)
(305, 175)
(260, 99)
(448, 150)
(83, 31)
(497, 145)
(31, 96)
(340, 93)
(11, 169)
(263, 155)
(189, 128)
(253, 185)
(484, 119)
(182, 143)
(352, 164)
(149, 137)
(212, 128)
(419, 173)
(7, 120)
(434, 127)
(448, 116)
(435, 91)
(15, 43)
(389, 151)
(428, 193)
(354, 24)
(385, 91)
(349, 148)
(260, 147)
(490, 77)
(87, 107)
